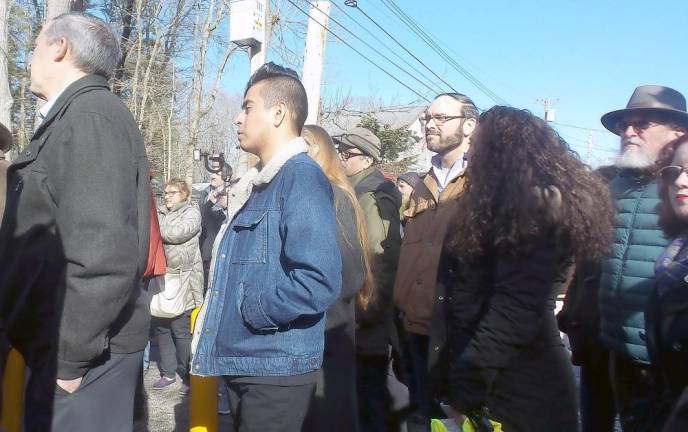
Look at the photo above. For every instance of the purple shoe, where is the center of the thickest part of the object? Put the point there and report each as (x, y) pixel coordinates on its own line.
(163, 382)
(184, 389)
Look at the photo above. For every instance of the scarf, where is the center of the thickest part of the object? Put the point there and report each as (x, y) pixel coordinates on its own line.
(672, 264)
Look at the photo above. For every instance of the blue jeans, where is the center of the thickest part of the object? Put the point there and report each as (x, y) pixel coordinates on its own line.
(146, 357)
(418, 381)
(371, 377)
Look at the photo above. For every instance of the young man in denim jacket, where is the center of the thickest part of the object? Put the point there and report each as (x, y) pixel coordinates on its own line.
(276, 266)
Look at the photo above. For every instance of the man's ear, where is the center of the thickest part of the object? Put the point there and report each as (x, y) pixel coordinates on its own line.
(279, 113)
(469, 126)
(60, 48)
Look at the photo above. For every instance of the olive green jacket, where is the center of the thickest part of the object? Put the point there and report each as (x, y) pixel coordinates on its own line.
(380, 201)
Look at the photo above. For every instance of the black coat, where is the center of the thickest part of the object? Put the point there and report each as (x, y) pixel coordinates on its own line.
(666, 322)
(580, 317)
(503, 346)
(335, 396)
(212, 217)
(74, 240)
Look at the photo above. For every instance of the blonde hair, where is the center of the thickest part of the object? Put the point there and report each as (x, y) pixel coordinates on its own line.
(181, 185)
(323, 151)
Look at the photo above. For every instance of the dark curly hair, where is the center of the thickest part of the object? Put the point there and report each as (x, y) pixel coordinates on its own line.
(523, 183)
(668, 221)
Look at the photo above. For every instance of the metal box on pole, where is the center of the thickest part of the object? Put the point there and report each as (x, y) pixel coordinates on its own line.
(247, 22)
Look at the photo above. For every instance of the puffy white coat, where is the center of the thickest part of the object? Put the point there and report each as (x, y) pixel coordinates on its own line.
(180, 229)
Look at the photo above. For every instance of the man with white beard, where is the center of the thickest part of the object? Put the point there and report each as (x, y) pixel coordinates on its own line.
(654, 117)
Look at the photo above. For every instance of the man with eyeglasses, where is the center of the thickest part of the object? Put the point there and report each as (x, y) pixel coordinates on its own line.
(359, 150)
(654, 117)
(448, 125)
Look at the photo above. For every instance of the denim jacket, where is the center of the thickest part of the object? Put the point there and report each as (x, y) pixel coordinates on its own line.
(277, 268)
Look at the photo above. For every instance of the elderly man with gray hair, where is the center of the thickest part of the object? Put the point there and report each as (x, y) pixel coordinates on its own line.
(74, 239)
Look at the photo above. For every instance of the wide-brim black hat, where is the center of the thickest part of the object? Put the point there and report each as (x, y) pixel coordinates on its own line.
(5, 138)
(654, 101)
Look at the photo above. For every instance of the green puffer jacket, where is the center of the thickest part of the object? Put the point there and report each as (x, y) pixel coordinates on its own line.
(628, 274)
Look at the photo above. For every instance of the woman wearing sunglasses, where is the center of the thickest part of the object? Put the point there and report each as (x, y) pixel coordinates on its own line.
(666, 317)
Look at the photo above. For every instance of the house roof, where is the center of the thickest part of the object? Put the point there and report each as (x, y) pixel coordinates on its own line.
(396, 118)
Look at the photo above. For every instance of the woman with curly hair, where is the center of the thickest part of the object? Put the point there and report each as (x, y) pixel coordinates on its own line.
(529, 209)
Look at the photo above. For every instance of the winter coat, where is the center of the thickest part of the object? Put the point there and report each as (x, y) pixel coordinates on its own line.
(74, 238)
(212, 216)
(580, 319)
(503, 346)
(276, 270)
(666, 321)
(3, 186)
(428, 216)
(335, 394)
(380, 200)
(628, 274)
(180, 229)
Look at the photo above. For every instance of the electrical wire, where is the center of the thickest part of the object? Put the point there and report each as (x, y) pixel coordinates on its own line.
(373, 48)
(359, 52)
(404, 48)
(422, 34)
(381, 42)
(580, 127)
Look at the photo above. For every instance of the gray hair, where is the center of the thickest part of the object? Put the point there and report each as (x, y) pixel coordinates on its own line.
(94, 46)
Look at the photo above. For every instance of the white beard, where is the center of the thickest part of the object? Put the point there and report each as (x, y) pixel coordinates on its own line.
(635, 157)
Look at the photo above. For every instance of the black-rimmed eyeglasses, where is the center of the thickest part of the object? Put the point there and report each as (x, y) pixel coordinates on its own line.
(345, 155)
(439, 119)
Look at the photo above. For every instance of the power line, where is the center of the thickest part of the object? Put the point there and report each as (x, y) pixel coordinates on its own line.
(421, 33)
(579, 127)
(403, 47)
(373, 48)
(358, 52)
(378, 40)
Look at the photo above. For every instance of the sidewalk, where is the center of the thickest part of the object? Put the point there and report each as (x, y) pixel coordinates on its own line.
(166, 409)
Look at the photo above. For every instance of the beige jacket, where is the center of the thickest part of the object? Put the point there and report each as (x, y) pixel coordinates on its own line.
(427, 219)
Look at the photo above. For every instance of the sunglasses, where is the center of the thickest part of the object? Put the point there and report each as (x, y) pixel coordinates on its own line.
(670, 173)
(345, 155)
(637, 125)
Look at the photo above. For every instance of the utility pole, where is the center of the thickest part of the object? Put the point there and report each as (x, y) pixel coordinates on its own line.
(313, 57)
(550, 112)
(250, 26)
(590, 145)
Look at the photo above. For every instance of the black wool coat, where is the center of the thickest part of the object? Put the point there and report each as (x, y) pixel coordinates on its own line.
(74, 238)
(503, 347)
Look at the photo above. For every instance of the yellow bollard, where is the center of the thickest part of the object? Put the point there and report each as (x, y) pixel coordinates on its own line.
(13, 393)
(203, 403)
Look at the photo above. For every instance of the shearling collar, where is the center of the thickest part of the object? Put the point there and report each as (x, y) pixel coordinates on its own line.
(237, 197)
(241, 191)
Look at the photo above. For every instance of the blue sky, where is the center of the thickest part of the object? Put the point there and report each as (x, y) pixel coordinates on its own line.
(588, 55)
